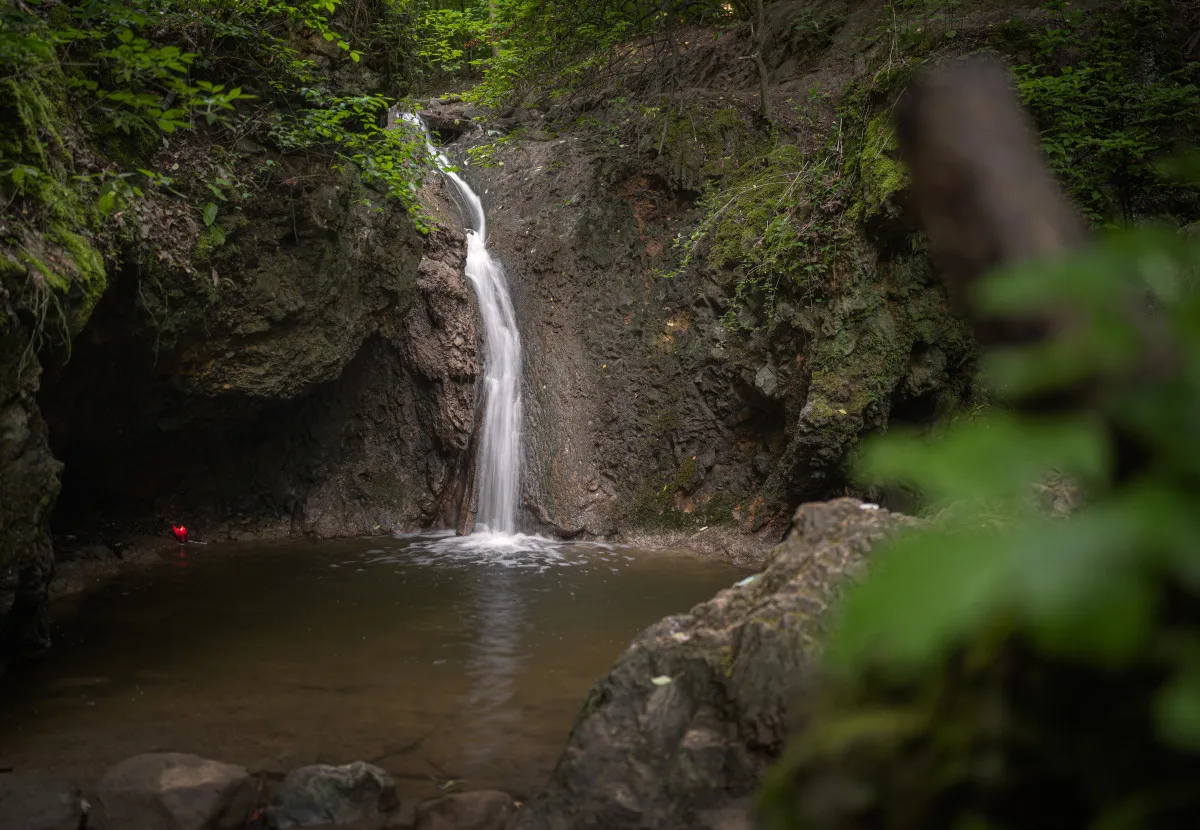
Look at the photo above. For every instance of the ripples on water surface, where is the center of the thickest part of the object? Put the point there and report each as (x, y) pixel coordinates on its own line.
(434, 656)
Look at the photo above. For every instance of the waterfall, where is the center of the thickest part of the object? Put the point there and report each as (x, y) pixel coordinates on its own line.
(498, 462)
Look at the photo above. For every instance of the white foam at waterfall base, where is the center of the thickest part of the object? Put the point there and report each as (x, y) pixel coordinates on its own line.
(509, 550)
(498, 463)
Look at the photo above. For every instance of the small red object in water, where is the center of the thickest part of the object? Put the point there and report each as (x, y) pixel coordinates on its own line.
(180, 533)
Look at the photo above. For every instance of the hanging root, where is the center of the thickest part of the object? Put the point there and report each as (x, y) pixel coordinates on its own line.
(49, 318)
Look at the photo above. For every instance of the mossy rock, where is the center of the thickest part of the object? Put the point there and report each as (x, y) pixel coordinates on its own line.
(881, 173)
(703, 144)
(686, 719)
(57, 215)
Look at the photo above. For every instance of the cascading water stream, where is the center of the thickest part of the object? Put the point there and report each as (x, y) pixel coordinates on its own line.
(499, 458)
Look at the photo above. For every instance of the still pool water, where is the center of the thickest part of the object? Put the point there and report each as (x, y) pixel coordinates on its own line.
(434, 657)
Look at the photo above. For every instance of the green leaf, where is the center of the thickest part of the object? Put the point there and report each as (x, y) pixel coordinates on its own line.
(210, 214)
(927, 590)
(1177, 711)
(1015, 453)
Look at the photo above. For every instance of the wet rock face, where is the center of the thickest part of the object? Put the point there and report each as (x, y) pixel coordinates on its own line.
(314, 374)
(645, 410)
(440, 342)
(477, 810)
(307, 276)
(28, 486)
(404, 448)
(317, 377)
(35, 802)
(679, 732)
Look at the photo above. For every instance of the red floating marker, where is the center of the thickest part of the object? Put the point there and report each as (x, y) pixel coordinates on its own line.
(180, 533)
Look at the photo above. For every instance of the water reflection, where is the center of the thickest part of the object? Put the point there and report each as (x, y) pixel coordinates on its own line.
(179, 564)
(424, 654)
(494, 663)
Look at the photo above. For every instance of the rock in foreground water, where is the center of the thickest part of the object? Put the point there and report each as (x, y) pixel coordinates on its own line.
(326, 795)
(175, 791)
(35, 802)
(681, 729)
(479, 810)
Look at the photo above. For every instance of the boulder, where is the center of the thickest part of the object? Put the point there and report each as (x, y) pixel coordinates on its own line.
(320, 794)
(479, 810)
(35, 802)
(175, 791)
(679, 732)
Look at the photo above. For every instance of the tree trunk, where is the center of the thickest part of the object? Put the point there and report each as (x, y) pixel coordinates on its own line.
(986, 197)
(492, 28)
(760, 44)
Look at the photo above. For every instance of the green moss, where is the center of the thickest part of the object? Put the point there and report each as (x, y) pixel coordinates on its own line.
(11, 269)
(776, 226)
(656, 508)
(127, 150)
(757, 200)
(49, 275)
(210, 239)
(57, 217)
(702, 145)
(880, 171)
(687, 475)
(665, 421)
(89, 279)
(1013, 35)
(32, 125)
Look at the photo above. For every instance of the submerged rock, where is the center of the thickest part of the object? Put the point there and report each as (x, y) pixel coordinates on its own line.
(479, 810)
(320, 795)
(174, 791)
(686, 721)
(35, 802)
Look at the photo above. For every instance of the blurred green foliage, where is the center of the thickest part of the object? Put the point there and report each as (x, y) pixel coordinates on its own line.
(946, 661)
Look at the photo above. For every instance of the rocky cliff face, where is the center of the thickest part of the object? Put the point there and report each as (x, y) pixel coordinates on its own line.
(317, 377)
(28, 488)
(305, 366)
(730, 390)
(51, 274)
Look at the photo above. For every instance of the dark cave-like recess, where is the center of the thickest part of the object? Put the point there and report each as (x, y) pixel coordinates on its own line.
(139, 453)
